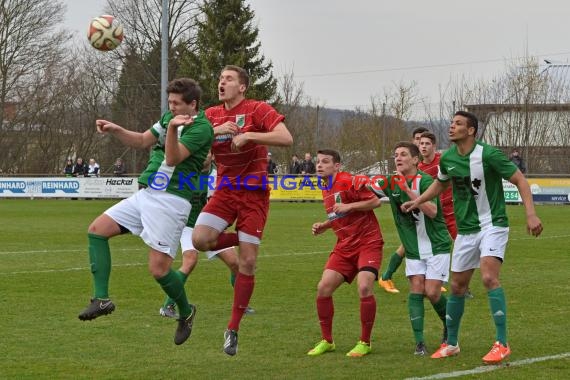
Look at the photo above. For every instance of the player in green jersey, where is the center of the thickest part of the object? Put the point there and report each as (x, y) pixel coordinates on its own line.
(396, 258)
(424, 235)
(158, 212)
(476, 171)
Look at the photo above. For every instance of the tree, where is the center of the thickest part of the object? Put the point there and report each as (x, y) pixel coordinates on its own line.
(136, 104)
(29, 50)
(226, 35)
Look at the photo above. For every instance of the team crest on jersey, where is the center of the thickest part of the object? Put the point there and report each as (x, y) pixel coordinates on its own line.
(240, 120)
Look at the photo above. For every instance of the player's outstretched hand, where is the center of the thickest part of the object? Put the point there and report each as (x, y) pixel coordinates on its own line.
(533, 225)
(104, 126)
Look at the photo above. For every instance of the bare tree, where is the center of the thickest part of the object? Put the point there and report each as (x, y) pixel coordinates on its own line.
(142, 22)
(29, 48)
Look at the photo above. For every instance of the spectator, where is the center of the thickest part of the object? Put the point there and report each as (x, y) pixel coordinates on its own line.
(68, 169)
(308, 166)
(295, 166)
(93, 168)
(518, 161)
(80, 168)
(119, 169)
(271, 166)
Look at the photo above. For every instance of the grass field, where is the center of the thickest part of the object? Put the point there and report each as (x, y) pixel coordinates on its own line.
(45, 282)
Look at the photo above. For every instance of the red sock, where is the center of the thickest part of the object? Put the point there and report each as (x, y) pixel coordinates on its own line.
(226, 240)
(367, 317)
(243, 289)
(325, 311)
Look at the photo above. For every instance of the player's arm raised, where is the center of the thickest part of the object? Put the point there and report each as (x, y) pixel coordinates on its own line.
(279, 136)
(364, 205)
(436, 188)
(428, 208)
(175, 151)
(138, 140)
(533, 223)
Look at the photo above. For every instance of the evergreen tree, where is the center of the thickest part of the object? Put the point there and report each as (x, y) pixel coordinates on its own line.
(226, 35)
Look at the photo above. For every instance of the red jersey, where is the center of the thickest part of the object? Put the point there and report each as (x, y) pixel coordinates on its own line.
(354, 229)
(446, 198)
(250, 163)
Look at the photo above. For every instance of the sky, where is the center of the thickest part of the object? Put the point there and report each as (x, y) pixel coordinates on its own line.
(345, 52)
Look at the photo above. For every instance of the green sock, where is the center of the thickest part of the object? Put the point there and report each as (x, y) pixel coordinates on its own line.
(393, 265)
(100, 259)
(499, 311)
(232, 279)
(440, 307)
(416, 312)
(174, 287)
(455, 307)
(183, 277)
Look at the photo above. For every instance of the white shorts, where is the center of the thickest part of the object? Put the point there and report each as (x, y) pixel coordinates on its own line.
(157, 217)
(435, 267)
(468, 249)
(186, 243)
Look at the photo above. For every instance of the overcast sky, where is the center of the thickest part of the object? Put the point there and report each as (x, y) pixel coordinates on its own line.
(347, 51)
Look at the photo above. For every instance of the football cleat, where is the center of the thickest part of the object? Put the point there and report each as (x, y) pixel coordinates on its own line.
(388, 286)
(230, 342)
(497, 354)
(97, 308)
(184, 328)
(421, 349)
(446, 350)
(361, 349)
(321, 347)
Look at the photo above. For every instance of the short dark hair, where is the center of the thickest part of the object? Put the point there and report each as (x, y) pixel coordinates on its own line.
(188, 88)
(419, 130)
(471, 119)
(243, 76)
(430, 136)
(414, 150)
(331, 152)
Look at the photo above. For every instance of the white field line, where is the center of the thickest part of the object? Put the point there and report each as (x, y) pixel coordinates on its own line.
(489, 368)
(145, 263)
(261, 256)
(84, 249)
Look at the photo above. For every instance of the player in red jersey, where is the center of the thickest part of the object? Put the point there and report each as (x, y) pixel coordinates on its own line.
(243, 128)
(357, 253)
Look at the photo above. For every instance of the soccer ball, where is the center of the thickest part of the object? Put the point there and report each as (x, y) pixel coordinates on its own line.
(105, 33)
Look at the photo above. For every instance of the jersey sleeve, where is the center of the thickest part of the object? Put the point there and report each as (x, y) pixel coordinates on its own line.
(499, 162)
(379, 186)
(442, 175)
(363, 194)
(266, 117)
(197, 135)
(158, 129)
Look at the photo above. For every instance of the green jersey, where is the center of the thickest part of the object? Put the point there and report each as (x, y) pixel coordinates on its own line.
(478, 198)
(181, 179)
(421, 236)
(200, 197)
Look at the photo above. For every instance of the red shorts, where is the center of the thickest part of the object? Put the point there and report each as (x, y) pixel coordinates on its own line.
(451, 225)
(350, 263)
(248, 207)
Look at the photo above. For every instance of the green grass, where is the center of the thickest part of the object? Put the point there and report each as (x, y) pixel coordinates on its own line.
(45, 282)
